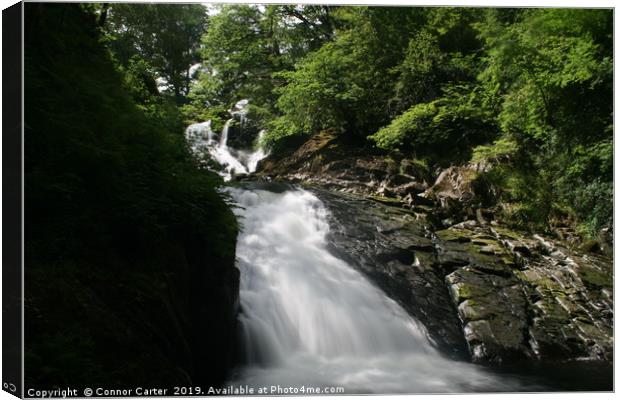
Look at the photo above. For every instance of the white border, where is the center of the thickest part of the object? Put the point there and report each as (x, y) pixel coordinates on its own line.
(479, 3)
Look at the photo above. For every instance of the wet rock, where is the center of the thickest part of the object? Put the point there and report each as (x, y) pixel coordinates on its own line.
(242, 133)
(537, 298)
(409, 188)
(486, 291)
(394, 249)
(493, 312)
(454, 188)
(323, 160)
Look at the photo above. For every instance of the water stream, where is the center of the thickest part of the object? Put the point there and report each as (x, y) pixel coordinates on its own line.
(308, 318)
(203, 143)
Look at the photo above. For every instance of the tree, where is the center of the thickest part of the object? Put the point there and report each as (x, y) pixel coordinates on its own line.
(238, 57)
(552, 73)
(244, 51)
(345, 86)
(247, 44)
(166, 36)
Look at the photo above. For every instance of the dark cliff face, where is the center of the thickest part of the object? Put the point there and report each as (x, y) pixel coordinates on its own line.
(130, 274)
(212, 317)
(119, 321)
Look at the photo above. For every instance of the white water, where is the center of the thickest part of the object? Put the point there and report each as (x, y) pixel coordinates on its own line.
(308, 318)
(202, 141)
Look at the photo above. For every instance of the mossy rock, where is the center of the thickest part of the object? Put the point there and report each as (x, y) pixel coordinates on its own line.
(472, 310)
(551, 310)
(387, 200)
(594, 277)
(511, 234)
(454, 235)
(462, 291)
(590, 246)
(465, 284)
(509, 261)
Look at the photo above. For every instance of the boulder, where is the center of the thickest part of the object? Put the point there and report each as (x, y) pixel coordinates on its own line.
(454, 189)
(520, 297)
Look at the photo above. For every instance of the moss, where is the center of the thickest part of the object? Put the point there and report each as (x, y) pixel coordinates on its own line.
(472, 310)
(508, 233)
(462, 291)
(454, 235)
(553, 310)
(589, 246)
(594, 277)
(509, 261)
(487, 246)
(423, 208)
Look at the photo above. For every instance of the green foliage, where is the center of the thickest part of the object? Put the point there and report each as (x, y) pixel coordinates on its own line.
(346, 84)
(444, 129)
(527, 91)
(246, 46)
(193, 112)
(139, 81)
(381, 62)
(410, 128)
(420, 70)
(593, 202)
(299, 29)
(166, 36)
(443, 51)
(238, 56)
(503, 149)
(586, 185)
(116, 208)
(541, 63)
(335, 100)
(550, 74)
(281, 129)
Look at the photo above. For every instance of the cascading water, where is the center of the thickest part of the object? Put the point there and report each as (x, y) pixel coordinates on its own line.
(308, 318)
(257, 155)
(203, 143)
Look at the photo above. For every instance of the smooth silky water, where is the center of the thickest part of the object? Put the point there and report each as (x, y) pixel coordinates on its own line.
(309, 319)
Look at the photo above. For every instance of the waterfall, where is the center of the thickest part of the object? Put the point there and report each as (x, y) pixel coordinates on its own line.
(257, 155)
(309, 318)
(224, 135)
(202, 143)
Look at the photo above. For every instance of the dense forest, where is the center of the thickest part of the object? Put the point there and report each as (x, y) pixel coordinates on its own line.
(526, 91)
(130, 244)
(130, 274)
